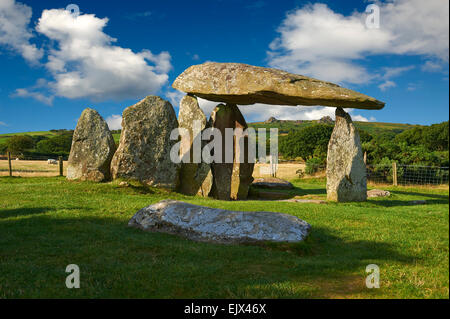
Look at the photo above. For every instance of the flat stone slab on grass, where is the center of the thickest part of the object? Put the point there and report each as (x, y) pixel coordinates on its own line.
(378, 193)
(272, 183)
(304, 201)
(201, 223)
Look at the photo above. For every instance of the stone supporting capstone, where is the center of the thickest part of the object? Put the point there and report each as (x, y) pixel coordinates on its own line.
(346, 171)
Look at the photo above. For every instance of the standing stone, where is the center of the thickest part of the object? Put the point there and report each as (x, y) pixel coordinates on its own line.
(144, 148)
(231, 178)
(92, 149)
(195, 178)
(346, 171)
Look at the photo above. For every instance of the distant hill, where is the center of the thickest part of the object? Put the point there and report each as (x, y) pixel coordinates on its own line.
(373, 128)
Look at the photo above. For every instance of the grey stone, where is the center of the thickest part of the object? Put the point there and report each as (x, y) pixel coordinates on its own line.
(243, 84)
(272, 183)
(346, 171)
(217, 225)
(144, 149)
(377, 193)
(231, 180)
(92, 149)
(195, 178)
(304, 201)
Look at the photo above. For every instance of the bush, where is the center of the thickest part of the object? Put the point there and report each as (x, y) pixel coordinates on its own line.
(313, 165)
(18, 144)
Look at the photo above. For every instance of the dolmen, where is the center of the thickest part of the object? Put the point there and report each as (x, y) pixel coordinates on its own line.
(232, 84)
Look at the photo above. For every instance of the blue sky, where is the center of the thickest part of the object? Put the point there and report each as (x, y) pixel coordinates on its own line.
(54, 64)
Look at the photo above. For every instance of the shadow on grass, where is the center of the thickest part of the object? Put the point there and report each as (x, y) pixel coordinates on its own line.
(437, 196)
(395, 202)
(18, 212)
(119, 261)
(7, 213)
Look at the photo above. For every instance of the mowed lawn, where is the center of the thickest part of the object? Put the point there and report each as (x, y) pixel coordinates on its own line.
(47, 223)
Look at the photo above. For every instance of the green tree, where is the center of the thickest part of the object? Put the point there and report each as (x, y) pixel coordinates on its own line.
(304, 142)
(18, 144)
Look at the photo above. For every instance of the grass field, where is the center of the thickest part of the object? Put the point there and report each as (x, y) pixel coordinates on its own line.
(48, 223)
(31, 168)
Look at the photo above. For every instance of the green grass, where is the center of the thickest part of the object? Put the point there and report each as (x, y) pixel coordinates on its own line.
(48, 223)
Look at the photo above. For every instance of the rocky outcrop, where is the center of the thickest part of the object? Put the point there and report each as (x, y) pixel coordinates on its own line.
(144, 149)
(232, 178)
(217, 225)
(195, 175)
(346, 171)
(272, 183)
(92, 149)
(242, 84)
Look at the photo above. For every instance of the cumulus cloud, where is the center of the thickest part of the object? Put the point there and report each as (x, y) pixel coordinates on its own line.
(85, 63)
(114, 122)
(316, 41)
(14, 31)
(3, 123)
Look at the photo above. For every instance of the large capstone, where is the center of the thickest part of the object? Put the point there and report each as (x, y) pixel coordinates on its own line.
(144, 149)
(195, 175)
(92, 149)
(232, 172)
(346, 171)
(217, 225)
(243, 84)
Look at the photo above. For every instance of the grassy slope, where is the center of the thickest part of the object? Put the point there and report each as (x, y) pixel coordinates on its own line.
(48, 223)
(4, 137)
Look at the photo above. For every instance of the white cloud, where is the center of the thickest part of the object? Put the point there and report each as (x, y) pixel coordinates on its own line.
(386, 85)
(84, 62)
(175, 97)
(3, 123)
(14, 31)
(390, 72)
(114, 122)
(432, 66)
(25, 93)
(261, 112)
(316, 41)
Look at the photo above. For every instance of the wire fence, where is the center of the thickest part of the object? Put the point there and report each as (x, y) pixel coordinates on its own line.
(27, 166)
(394, 174)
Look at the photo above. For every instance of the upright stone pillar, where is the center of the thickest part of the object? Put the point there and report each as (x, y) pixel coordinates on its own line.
(195, 178)
(232, 179)
(346, 171)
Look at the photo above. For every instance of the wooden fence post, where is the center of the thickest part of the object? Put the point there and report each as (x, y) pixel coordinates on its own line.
(365, 158)
(394, 173)
(9, 164)
(61, 163)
